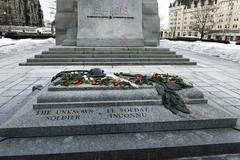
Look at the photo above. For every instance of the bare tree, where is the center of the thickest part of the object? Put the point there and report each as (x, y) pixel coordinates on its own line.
(203, 19)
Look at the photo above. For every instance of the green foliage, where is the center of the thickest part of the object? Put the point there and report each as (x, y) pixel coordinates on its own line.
(70, 79)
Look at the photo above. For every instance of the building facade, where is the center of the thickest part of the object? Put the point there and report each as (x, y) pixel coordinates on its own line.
(226, 25)
(21, 13)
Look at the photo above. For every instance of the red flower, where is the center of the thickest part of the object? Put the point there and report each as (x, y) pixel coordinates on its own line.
(93, 82)
(76, 82)
(136, 78)
(115, 82)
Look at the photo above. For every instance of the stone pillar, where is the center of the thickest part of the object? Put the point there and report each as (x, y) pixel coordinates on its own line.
(66, 22)
(151, 23)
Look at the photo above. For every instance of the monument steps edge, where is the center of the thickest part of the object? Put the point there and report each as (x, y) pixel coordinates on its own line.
(127, 146)
(107, 60)
(108, 52)
(108, 55)
(104, 63)
(98, 129)
(73, 48)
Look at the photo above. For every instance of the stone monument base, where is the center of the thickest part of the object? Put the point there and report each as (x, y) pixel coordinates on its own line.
(63, 55)
(107, 123)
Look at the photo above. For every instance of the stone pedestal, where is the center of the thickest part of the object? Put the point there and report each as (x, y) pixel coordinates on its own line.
(105, 123)
(107, 23)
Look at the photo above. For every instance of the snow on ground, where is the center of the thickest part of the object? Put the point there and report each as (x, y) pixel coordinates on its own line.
(12, 46)
(225, 51)
(6, 42)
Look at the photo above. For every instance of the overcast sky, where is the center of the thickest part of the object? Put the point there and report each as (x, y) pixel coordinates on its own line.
(163, 11)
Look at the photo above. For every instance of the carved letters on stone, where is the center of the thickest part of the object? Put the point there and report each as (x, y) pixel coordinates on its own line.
(78, 114)
(114, 12)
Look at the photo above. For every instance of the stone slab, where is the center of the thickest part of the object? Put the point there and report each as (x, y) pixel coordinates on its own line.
(62, 6)
(91, 95)
(151, 23)
(110, 52)
(110, 119)
(2, 138)
(105, 63)
(150, 8)
(167, 55)
(110, 23)
(85, 95)
(238, 125)
(127, 146)
(70, 48)
(65, 105)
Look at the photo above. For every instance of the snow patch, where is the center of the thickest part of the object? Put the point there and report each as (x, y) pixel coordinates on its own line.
(225, 51)
(23, 44)
(6, 42)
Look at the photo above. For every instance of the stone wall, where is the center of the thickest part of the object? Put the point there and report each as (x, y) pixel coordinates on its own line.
(21, 13)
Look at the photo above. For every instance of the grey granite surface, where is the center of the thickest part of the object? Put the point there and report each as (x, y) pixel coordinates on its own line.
(129, 146)
(107, 23)
(110, 119)
(238, 125)
(110, 23)
(98, 95)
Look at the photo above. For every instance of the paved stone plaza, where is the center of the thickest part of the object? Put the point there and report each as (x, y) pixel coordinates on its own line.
(219, 79)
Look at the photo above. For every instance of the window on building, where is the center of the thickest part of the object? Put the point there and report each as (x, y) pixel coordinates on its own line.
(235, 26)
(195, 4)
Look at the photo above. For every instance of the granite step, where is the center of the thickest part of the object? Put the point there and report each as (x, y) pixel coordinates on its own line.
(107, 49)
(67, 56)
(125, 146)
(108, 52)
(108, 55)
(106, 63)
(108, 60)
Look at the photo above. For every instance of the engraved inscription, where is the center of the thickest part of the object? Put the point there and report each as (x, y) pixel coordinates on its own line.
(64, 114)
(94, 113)
(112, 13)
(127, 113)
